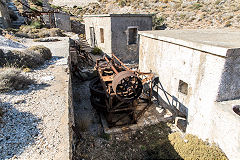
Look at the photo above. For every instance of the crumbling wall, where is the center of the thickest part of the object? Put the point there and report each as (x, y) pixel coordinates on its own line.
(190, 79)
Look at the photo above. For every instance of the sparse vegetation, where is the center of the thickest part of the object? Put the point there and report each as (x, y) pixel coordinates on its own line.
(12, 78)
(191, 147)
(33, 32)
(105, 136)
(83, 123)
(228, 24)
(218, 2)
(36, 24)
(158, 22)
(196, 6)
(38, 2)
(43, 51)
(122, 3)
(97, 51)
(151, 142)
(29, 58)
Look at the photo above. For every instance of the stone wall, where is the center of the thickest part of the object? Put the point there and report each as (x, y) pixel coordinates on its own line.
(192, 80)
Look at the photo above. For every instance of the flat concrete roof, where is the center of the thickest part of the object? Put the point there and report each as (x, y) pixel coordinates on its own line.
(216, 41)
(119, 15)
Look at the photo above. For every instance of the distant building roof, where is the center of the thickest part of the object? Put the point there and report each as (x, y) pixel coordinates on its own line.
(119, 15)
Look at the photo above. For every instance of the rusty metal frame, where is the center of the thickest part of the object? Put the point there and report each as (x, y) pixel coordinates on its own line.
(110, 69)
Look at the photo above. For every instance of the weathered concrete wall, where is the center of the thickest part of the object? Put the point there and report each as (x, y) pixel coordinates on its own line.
(70, 113)
(210, 77)
(62, 21)
(5, 21)
(97, 23)
(119, 26)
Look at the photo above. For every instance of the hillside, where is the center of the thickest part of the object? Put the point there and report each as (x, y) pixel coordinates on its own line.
(175, 14)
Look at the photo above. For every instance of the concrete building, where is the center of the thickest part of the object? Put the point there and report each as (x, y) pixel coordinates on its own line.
(117, 33)
(5, 21)
(198, 76)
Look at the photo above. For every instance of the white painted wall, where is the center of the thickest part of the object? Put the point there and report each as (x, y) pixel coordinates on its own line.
(97, 23)
(203, 72)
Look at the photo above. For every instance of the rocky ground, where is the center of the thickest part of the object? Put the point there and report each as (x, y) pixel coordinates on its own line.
(174, 14)
(34, 120)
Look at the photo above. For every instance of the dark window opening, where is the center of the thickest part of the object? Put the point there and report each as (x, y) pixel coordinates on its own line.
(92, 37)
(132, 35)
(183, 87)
(102, 35)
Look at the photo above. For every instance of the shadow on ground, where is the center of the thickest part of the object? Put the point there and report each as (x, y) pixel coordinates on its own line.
(47, 63)
(149, 143)
(29, 89)
(18, 130)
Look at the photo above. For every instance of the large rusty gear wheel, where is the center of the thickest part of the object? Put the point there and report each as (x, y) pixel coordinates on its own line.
(127, 85)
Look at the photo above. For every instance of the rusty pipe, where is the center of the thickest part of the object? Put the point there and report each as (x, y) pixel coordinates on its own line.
(120, 62)
(113, 68)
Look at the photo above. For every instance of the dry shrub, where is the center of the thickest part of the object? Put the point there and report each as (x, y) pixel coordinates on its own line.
(43, 51)
(29, 58)
(191, 147)
(32, 32)
(83, 122)
(12, 78)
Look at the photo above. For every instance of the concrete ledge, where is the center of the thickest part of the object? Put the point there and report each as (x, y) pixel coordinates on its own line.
(216, 42)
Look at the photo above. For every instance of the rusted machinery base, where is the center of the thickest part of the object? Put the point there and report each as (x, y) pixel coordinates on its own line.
(119, 93)
(122, 113)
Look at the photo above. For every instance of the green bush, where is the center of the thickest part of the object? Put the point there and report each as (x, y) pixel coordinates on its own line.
(122, 3)
(36, 24)
(38, 2)
(96, 51)
(158, 22)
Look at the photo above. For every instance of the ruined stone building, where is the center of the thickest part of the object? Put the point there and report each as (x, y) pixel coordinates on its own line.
(117, 33)
(198, 75)
(5, 21)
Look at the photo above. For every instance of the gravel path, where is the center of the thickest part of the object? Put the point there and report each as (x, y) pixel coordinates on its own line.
(35, 120)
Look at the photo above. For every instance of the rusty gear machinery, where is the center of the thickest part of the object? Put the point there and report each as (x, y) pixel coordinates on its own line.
(117, 92)
(127, 85)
